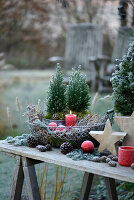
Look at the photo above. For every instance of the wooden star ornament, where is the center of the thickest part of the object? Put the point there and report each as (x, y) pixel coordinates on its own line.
(126, 124)
(108, 139)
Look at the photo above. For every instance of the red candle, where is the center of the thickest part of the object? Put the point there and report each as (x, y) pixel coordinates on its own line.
(70, 120)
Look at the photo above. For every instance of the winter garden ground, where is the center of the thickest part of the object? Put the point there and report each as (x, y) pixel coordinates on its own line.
(29, 86)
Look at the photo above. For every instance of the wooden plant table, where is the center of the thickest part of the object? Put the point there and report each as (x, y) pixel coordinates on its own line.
(26, 158)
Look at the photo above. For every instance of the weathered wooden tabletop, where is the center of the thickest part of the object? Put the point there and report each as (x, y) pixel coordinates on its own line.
(55, 157)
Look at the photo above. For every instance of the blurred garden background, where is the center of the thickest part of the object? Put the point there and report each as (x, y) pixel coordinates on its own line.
(30, 33)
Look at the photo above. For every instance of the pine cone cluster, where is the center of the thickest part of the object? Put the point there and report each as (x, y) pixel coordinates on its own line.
(32, 141)
(66, 147)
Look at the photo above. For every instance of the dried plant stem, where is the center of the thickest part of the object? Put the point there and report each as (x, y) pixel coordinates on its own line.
(68, 192)
(63, 181)
(37, 108)
(52, 193)
(9, 117)
(18, 104)
(131, 2)
(44, 196)
(38, 174)
(56, 183)
(42, 178)
(94, 100)
(105, 98)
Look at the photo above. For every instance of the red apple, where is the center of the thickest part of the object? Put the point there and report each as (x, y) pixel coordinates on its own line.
(87, 146)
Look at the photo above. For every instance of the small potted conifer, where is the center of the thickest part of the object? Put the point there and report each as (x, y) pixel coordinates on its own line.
(56, 99)
(77, 94)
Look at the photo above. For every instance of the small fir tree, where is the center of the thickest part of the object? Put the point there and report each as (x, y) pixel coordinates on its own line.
(123, 84)
(78, 98)
(56, 100)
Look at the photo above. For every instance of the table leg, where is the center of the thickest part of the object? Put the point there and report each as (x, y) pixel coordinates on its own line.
(111, 188)
(18, 179)
(86, 185)
(31, 179)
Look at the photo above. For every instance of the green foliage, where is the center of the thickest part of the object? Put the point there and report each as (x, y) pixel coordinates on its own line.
(126, 190)
(48, 116)
(77, 93)
(123, 84)
(55, 142)
(56, 100)
(82, 114)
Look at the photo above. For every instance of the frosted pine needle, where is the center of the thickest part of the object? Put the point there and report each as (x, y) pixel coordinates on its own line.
(18, 105)
(94, 100)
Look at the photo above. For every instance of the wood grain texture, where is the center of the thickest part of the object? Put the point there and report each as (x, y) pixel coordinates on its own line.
(86, 186)
(126, 124)
(83, 40)
(107, 138)
(55, 157)
(111, 188)
(17, 183)
(31, 182)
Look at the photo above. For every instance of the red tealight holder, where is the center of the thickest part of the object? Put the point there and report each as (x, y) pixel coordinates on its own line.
(125, 155)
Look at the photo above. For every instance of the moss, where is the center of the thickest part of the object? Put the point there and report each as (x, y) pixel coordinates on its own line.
(55, 142)
(48, 116)
(82, 114)
(61, 115)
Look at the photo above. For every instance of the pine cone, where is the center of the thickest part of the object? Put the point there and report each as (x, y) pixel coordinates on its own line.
(48, 147)
(42, 137)
(41, 148)
(66, 147)
(32, 141)
(55, 116)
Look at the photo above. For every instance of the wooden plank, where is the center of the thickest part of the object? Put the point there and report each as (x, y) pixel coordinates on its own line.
(82, 41)
(86, 185)
(17, 182)
(31, 180)
(111, 188)
(126, 124)
(121, 43)
(55, 157)
(29, 162)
